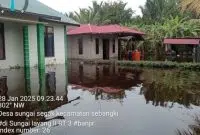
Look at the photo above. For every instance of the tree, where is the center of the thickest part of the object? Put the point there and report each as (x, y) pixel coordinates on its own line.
(104, 13)
(172, 27)
(191, 5)
(158, 10)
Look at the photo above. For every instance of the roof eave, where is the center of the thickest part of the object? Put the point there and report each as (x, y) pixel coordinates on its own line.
(34, 14)
(56, 21)
(43, 17)
(108, 33)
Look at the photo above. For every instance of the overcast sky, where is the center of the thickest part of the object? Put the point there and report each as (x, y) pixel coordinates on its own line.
(74, 5)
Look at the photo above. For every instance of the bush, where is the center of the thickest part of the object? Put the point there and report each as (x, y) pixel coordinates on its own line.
(160, 64)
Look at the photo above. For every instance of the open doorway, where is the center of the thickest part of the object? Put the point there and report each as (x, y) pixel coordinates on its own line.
(106, 49)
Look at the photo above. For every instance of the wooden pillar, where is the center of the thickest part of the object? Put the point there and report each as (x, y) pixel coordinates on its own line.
(27, 73)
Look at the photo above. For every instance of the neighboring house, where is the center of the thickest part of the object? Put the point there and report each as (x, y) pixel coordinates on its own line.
(97, 42)
(32, 34)
(182, 49)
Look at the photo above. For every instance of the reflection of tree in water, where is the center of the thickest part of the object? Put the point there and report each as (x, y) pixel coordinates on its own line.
(169, 86)
(193, 129)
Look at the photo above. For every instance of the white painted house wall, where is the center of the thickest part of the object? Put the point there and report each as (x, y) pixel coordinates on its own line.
(14, 50)
(89, 47)
(32, 29)
(13, 45)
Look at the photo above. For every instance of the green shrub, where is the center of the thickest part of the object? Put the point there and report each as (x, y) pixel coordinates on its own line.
(161, 64)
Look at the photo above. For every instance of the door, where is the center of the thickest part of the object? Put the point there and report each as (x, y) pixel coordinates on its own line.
(106, 49)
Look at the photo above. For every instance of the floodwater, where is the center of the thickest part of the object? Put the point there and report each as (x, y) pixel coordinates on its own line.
(105, 99)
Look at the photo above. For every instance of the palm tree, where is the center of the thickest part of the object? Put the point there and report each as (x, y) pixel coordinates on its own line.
(158, 10)
(104, 13)
(191, 5)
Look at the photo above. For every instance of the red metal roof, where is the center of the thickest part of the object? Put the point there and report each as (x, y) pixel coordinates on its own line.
(182, 41)
(106, 29)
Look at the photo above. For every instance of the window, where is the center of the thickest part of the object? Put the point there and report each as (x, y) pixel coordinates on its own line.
(113, 45)
(97, 46)
(2, 42)
(49, 41)
(80, 46)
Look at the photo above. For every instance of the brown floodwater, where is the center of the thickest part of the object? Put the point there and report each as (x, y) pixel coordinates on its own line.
(104, 99)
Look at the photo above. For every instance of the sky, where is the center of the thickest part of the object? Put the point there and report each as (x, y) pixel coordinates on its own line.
(73, 5)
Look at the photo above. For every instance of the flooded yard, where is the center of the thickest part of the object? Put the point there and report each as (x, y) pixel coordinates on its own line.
(104, 99)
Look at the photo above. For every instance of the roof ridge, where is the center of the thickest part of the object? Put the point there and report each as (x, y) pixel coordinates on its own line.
(95, 29)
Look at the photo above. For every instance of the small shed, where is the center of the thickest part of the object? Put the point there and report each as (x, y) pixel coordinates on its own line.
(183, 49)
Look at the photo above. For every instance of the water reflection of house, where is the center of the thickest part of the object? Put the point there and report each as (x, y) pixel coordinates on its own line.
(98, 42)
(55, 80)
(183, 49)
(35, 31)
(103, 81)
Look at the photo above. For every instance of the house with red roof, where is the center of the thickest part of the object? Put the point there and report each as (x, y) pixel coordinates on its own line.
(97, 42)
(182, 49)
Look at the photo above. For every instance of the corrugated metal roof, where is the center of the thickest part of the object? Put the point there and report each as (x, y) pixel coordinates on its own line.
(106, 29)
(182, 41)
(38, 8)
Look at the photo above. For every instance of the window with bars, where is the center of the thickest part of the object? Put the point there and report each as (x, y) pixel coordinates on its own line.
(113, 45)
(97, 46)
(80, 46)
(49, 41)
(2, 42)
